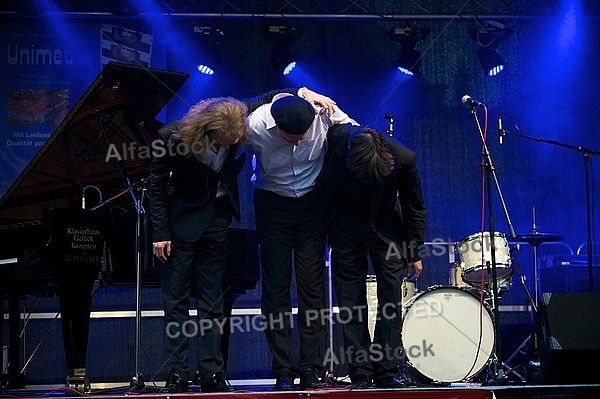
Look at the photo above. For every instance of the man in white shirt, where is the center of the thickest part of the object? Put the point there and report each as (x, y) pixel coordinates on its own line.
(288, 140)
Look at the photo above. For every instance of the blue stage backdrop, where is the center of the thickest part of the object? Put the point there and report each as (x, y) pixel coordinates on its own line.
(547, 92)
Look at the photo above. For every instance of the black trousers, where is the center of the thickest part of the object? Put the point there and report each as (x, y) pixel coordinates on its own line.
(201, 263)
(292, 231)
(349, 265)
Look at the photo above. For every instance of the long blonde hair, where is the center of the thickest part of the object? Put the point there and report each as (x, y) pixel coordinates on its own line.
(224, 115)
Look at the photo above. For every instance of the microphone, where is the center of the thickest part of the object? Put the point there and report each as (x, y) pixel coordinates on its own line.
(389, 117)
(467, 100)
(501, 131)
(83, 200)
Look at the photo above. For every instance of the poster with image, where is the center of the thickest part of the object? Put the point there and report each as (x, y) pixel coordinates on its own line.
(125, 45)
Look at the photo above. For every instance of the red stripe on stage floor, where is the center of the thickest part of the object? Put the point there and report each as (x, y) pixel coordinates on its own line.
(438, 393)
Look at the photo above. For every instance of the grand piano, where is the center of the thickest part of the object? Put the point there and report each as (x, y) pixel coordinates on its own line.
(74, 220)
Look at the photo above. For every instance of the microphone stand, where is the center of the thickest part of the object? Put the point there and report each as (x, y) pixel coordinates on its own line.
(137, 381)
(390, 118)
(587, 155)
(490, 173)
(329, 375)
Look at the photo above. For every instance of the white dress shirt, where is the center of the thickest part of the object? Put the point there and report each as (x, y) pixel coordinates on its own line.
(284, 168)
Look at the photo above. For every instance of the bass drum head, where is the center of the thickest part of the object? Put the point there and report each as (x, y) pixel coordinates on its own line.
(441, 334)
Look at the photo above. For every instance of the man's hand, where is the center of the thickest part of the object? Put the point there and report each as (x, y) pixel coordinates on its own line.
(162, 250)
(326, 103)
(415, 267)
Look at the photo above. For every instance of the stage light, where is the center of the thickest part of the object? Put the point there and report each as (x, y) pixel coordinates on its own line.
(488, 35)
(283, 60)
(208, 62)
(205, 69)
(409, 61)
(210, 38)
(289, 68)
(490, 61)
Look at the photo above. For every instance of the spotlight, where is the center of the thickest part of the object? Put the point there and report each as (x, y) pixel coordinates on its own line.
(488, 35)
(210, 38)
(283, 60)
(205, 69)
(409, 61)
(490, 61)
(289, 68)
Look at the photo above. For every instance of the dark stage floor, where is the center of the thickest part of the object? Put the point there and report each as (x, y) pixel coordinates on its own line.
(263, 389)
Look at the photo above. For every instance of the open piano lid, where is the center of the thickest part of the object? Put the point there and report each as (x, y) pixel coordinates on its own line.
(118, 109)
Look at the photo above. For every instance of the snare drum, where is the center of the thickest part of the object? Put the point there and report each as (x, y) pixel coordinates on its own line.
(455, 280)
(476, 254)
(441, 333)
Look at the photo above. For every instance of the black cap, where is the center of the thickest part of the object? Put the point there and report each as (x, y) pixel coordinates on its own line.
(293, 114)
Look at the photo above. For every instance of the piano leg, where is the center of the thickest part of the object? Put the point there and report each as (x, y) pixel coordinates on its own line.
(75, 302)
(14, 379)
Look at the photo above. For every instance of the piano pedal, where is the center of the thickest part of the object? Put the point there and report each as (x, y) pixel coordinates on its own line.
(78, 381)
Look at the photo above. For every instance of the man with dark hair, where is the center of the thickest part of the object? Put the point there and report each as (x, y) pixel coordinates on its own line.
(288, 139)
(377, 203)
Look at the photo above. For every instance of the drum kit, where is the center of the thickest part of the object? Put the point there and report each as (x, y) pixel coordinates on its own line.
(455, 321)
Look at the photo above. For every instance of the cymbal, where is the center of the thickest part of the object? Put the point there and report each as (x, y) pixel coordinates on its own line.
(536, 238)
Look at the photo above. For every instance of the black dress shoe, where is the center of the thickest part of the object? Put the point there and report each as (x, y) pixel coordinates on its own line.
(284, 383)
(309, 379)
(176, 383)
(360, 382)
(217, 383)
(389, 381)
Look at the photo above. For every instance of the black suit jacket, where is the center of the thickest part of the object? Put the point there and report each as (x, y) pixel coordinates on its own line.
(394, 209)
(183, 190)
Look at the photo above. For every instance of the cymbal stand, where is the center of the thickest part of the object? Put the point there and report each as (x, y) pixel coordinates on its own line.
(490, 173)
(536, 277)
(533, 307)
(587, 155)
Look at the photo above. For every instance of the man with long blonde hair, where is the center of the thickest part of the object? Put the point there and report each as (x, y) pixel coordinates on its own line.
(194, 195)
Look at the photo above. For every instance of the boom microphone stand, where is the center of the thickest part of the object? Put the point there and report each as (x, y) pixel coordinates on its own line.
(490, 173)
(587, 155)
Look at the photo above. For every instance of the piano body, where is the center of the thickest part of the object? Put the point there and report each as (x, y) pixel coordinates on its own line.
(54, 243)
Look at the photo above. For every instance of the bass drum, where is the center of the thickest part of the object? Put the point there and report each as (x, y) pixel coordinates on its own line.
(441, 333)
